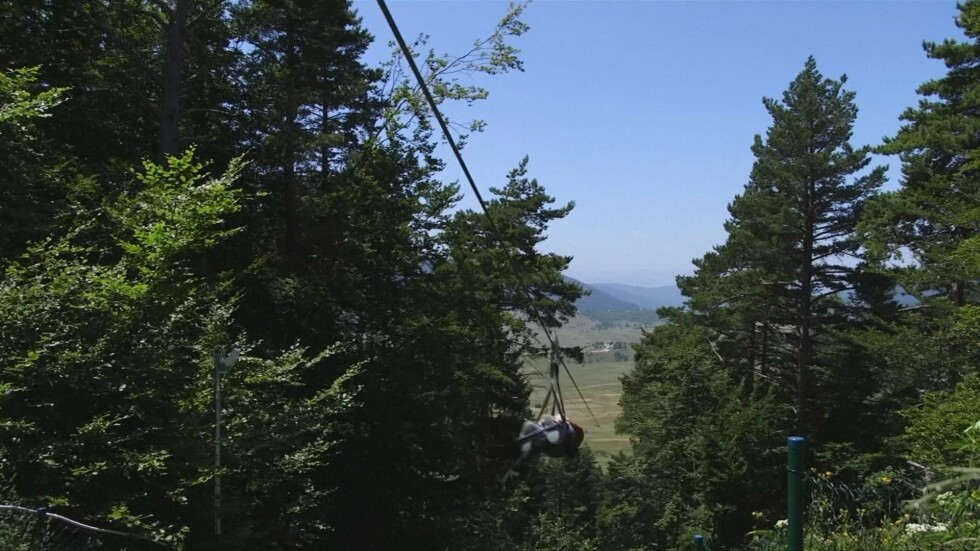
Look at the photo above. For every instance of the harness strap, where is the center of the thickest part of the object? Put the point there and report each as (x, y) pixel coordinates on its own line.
(558, 405)
(562, 425)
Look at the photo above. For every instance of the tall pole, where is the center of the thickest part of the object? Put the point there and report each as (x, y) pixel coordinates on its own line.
(217, 443)
(794, 494)
(223, 361)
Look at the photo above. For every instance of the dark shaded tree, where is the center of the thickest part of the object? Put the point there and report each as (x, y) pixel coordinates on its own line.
(703, 448)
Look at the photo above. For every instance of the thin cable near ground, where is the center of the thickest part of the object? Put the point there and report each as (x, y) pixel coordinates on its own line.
(476, 191)
(82, 526)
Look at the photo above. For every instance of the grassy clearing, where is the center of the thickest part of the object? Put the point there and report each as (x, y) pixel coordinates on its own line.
(583, 331)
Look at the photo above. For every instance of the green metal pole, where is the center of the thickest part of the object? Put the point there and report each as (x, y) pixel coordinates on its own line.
(699, 543)
(794, 494)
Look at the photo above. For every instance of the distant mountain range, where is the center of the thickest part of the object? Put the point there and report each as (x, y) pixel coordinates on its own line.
(621, 297)
(644, 297)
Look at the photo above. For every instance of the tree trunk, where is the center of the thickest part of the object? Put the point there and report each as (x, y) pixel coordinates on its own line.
(324, 131)
(291, 194)
(764, 354)
(751, 372)
(173, 69)
(805, 321)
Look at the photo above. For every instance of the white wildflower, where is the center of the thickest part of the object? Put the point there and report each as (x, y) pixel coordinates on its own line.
(782, 523)
(913, 528)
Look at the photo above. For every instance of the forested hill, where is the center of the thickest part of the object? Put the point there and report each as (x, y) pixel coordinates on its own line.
(622, 297)
(241, 307)
(645, 297)
(599, 300)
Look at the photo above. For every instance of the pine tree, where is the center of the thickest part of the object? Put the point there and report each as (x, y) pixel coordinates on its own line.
(925, 236)
(777, 282)
(935, 217)
(762, 332)
(144, 78)
(308, 94)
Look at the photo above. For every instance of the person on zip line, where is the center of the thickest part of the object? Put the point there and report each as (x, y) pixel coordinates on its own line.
(551, 435)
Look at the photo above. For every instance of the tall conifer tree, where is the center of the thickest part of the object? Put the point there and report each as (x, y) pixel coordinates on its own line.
(791, 248)
(935, 216)
(926, 234)
(759, 336)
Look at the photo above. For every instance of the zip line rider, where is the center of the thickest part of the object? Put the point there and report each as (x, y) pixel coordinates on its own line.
(552, 435)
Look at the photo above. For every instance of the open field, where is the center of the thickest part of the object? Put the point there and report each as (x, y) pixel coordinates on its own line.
(583, 330)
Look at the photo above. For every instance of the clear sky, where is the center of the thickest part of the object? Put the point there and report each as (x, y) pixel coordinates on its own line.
(643, 112)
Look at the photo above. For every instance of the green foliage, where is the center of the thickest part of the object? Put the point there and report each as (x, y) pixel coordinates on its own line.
(945, 516)
(276, 489)
(381, 332)
(924, 236)
(179, 213)
(18, 105)
(112, 58)
(30, 197)
(921, 236)
(772, 291)
(936, 424)
(407, 114)
(764, 333)
(524, 278)
(703, 446)
(122, 324)
(550, 533)
(22, 532)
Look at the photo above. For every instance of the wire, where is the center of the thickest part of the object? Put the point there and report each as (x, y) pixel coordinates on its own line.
(553, 341)
(76, 524)
(435, 109)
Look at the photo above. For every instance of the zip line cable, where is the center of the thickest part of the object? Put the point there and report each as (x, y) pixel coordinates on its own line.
(442, 123)
(553, 341)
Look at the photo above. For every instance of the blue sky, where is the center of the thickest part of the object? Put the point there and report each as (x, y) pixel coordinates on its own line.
(643, 112)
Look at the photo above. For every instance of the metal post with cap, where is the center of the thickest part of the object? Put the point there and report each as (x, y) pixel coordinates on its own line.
(698, 542)
(223, 361)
